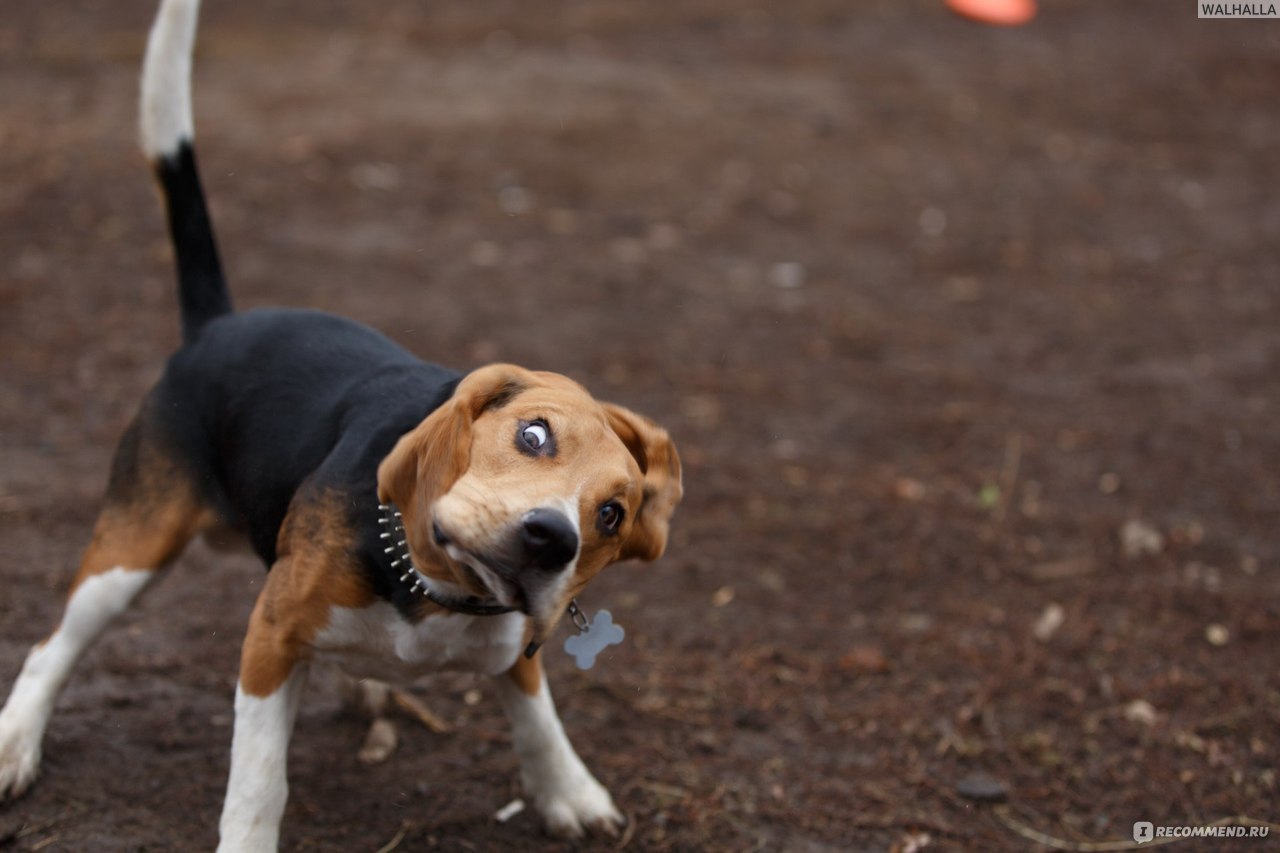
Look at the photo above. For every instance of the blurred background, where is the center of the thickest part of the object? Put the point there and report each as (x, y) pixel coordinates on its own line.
(967, 335)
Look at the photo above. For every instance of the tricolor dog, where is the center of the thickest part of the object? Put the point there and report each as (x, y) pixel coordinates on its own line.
(412, 518)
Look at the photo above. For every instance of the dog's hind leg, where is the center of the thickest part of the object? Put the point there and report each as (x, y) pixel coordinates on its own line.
(375, 701)
(150, 512)
(372, 699)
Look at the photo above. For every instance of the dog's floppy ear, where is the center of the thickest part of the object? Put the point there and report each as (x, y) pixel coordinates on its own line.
(655, 452)
(429, 459)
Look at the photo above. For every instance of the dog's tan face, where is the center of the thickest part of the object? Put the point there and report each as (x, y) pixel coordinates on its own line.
(522, 487)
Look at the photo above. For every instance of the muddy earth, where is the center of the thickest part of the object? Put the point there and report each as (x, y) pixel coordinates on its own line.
(968, 338)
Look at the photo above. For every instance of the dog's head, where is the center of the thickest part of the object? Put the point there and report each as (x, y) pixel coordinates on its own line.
(522, 486)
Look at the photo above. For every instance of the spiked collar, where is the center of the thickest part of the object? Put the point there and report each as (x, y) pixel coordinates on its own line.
(592, 637)
(397, 548)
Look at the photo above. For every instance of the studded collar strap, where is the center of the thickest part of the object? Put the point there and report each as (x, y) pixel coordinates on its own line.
(589, 641)
(396, 548)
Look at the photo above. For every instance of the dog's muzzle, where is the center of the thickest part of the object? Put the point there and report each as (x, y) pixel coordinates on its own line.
(548, 540)
(526, 562)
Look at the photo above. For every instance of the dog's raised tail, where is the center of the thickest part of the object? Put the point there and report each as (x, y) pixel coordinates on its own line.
(167, 139)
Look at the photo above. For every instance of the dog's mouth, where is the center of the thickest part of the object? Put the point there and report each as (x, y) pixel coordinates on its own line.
(504, 574)
(480, 578)
(480, 575)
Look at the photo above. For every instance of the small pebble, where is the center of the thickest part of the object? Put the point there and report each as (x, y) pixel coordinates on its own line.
(908, 489)
(1217, 635)
(933, 222)
(1139, 539)
(787, 275)
(1049, 622)
(1141, 711)
(515, 201)
(982, 788)
(509, 811)
(865, 659)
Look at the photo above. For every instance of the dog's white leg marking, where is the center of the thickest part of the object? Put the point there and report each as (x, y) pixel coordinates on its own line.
(259, 786)
(93, 604)
(565, 793)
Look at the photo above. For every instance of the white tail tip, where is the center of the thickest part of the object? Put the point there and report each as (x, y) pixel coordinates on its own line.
(166, 78)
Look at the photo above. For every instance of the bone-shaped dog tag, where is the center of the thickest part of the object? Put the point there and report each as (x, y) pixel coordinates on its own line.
(593, 639)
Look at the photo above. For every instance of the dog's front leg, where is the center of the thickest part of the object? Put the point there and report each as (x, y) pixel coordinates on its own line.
(259, 787)
(564, 792)
(272, 678)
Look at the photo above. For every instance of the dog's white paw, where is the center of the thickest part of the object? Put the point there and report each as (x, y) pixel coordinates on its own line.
(574, 806)
(19, 756)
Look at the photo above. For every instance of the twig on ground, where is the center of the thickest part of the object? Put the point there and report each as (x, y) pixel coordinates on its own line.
(628, 832)
(395, 841)
(420, 712)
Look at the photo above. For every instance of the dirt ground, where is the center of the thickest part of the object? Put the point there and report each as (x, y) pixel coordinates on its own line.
(968, 338)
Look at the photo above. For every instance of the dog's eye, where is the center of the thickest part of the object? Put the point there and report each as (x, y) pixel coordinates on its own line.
(535, 435)
(611, 515)
(534, 438)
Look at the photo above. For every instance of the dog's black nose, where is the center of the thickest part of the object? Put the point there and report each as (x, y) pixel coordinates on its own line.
(548, 538)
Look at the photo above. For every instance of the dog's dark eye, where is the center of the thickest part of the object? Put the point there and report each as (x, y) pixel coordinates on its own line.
(534, 435)
(611, 515)
(534, 438)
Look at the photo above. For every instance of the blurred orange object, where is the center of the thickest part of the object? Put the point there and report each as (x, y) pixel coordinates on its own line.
(1005, 13)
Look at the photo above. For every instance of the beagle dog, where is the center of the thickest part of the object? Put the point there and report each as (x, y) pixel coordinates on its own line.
(413, 519)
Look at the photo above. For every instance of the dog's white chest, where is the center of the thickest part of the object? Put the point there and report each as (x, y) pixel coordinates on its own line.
(375, 642)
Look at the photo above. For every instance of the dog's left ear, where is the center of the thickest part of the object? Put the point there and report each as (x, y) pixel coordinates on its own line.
(656, 455)
(430, 458)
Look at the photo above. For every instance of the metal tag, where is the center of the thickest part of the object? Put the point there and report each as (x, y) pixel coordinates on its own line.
(592, 637)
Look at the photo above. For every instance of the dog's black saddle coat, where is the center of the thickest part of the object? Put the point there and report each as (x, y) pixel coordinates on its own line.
(271, 406)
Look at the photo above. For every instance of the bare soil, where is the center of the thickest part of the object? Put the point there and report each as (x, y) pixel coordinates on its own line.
(933, 310)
